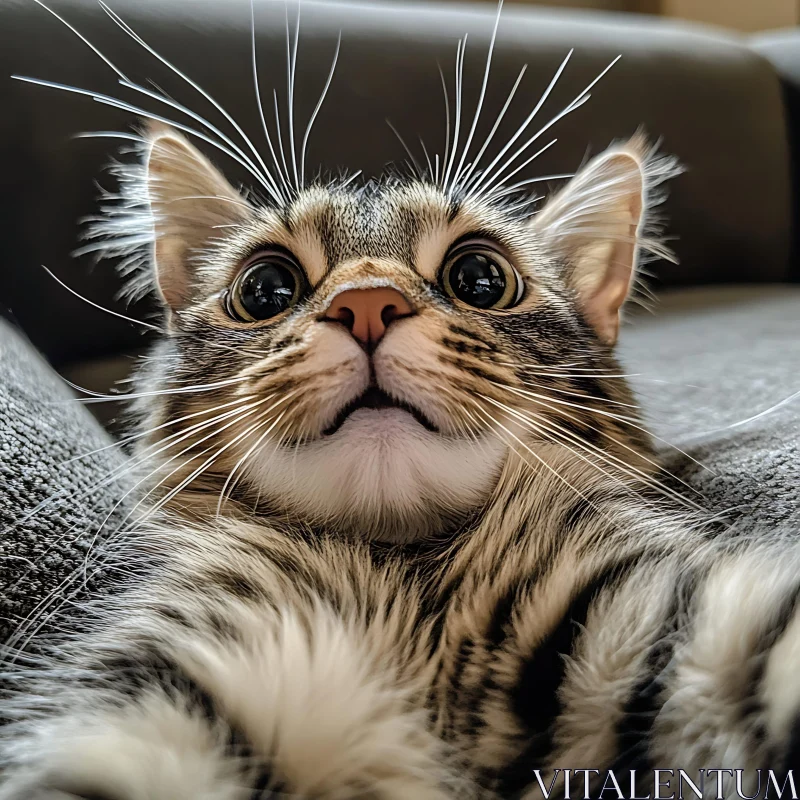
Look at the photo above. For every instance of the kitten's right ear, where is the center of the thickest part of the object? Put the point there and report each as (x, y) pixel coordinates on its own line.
(189, 202)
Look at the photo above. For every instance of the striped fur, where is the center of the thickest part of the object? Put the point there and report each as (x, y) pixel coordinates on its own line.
(406, 614)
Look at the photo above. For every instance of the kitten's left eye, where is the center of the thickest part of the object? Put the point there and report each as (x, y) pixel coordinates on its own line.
(268, 286)
(481, 277)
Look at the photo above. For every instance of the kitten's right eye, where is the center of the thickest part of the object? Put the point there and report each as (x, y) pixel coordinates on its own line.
(269, 285)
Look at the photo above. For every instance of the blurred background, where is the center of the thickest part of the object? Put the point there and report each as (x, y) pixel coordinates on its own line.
(742, 15)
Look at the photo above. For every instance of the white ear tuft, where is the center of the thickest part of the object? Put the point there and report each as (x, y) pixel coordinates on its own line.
(189, 201)
(170, 204)
(597, 226)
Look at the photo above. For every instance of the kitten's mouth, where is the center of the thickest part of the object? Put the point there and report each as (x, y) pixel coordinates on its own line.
(376, 398)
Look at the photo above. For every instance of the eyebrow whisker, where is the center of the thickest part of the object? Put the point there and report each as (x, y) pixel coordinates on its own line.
(481, 99)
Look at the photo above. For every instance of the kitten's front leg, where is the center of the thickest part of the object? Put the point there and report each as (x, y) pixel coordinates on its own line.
(258, 703)
(154, 747)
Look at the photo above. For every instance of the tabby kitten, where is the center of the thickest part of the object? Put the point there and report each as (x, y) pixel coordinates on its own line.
(401, 525)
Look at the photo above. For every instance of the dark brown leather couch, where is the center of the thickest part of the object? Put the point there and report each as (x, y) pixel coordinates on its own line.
(725, 105)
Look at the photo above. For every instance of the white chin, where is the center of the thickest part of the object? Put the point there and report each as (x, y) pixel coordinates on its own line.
(384, 427)
(382, 475)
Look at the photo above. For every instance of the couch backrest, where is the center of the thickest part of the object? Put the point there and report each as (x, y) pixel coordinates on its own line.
(782, 49)
(707, 97)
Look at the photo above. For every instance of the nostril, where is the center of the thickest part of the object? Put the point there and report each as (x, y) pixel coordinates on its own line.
(392, 312)
(346, 316)
(389, 314)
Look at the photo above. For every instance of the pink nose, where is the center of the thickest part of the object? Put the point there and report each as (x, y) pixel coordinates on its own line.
(366, 313)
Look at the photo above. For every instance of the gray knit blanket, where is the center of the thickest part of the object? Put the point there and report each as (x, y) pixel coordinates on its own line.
(706, 363)
(57, 495)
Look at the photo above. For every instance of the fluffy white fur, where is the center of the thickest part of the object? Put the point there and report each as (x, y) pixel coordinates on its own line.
(155, 749)
(382, 471)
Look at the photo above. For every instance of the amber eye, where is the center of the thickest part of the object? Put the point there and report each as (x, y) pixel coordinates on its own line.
(265, 288)
(481, 277)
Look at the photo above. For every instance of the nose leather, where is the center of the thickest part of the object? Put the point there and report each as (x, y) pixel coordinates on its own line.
(367, 313)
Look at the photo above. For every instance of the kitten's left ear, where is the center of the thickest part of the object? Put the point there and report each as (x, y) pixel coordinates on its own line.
(594, 224)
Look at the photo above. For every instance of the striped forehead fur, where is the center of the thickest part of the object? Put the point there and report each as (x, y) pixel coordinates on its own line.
(124, 230)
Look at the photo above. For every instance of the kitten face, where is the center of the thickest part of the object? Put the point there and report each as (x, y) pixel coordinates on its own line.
(430, 457)
(381, 423)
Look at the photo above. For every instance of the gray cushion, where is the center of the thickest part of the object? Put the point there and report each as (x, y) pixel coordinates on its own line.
(709, 360)
(51, 507)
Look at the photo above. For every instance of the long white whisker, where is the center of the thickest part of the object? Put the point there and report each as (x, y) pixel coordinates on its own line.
(496, 125)
(488, 418)
(516, 208)
(522, 128)
(281, 149)
(221, 198)
(582, 98)
(629, 469)
(608, 400)
(316, 111)
(633, 422)
(291, 70)
(786, 400)
(546, 425)
(238, 414)
(427, 159)
(138, 39)
(97, 305)
(270, 184)
(534, 454)
(414, 161)
(124, 106)
(556, 370)
(481, 97)
(350, 179)
(141, 434)
(244, 458)
(115, 474)
(460, 50)
(121, 104)
(446, 155)
(204, 466)
(131, 137)
(505, 190)
(168, 442)
(498, 177)
(199, 387)
(539, 425)
(570, 404)
(503, 186)
(95, 50)
(257, 86)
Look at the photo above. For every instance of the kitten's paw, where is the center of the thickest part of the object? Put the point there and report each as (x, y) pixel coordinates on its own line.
(38, 792)
(153, 749)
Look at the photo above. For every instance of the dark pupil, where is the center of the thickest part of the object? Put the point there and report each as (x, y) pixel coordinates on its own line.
(267, 289)
(477, 280)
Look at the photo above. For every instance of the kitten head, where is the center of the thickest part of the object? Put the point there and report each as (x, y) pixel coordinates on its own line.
(372, 357)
